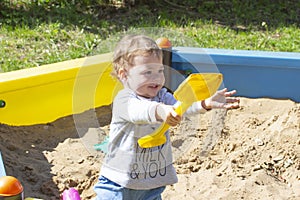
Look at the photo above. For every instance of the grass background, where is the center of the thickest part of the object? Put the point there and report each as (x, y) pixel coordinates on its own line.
(38, 32)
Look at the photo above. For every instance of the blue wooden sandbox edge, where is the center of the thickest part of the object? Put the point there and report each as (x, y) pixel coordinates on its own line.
(254, 74)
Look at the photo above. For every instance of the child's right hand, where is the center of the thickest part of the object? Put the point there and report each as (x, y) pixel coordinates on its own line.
(167, 114)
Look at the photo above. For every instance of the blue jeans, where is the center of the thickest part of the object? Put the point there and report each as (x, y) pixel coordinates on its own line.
(108, 190)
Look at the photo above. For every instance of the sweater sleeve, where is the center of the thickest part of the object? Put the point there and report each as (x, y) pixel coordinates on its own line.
(142, 111)
(195, 108)
(127, 107)
(168, 98)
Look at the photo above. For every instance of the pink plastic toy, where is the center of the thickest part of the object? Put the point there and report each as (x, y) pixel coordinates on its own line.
(70, 194)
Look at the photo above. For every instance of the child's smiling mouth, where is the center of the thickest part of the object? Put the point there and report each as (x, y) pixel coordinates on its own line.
(153, 86)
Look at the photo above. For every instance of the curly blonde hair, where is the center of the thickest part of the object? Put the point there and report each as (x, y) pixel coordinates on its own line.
(129, 47)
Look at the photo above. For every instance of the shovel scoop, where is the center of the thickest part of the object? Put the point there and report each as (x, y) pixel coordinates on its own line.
(195, 87)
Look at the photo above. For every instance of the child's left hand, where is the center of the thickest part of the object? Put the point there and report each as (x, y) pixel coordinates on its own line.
(220, 100)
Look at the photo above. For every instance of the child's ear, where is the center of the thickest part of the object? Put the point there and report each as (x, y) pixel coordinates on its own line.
(122, 74)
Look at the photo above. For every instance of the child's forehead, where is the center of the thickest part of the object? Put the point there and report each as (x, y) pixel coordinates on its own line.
(149, 59)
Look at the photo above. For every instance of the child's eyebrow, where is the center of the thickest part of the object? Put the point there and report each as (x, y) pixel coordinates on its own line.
(156, 65)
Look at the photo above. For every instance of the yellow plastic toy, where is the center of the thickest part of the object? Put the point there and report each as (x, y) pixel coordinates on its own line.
(196, 87)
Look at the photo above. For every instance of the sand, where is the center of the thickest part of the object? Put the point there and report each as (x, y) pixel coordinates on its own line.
(249, 153)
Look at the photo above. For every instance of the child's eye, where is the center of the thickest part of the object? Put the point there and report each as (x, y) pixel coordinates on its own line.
(148, 72)
(161, 71)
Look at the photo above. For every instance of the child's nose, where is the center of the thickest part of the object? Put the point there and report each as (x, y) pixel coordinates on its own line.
(157, 76)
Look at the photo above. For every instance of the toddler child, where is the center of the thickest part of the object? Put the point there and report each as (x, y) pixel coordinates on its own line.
(130, 172)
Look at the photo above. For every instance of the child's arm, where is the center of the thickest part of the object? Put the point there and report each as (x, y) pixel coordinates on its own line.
(219, 100)
(129, 108)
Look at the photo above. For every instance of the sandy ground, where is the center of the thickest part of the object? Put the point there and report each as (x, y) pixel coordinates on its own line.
(249, 153)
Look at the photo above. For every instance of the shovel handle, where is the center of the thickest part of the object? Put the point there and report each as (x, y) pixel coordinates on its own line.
(158, 137)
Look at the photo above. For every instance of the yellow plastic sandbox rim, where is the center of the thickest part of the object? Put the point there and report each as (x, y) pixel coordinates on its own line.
(43, 94)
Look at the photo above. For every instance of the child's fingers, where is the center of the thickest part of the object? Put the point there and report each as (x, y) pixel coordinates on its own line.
(221, 92)
(174, 114)
(173, 122)
(232, 100)
(230, 93)
(174, 118)
(232, 105)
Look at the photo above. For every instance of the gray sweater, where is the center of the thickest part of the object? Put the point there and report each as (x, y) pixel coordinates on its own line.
(126, 163)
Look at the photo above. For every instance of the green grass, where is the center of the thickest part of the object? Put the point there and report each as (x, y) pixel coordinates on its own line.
(34, 33)
(48, 43)
(279, 39)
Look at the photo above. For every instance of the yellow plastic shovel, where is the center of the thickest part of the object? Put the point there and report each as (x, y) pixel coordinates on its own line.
(195, 87)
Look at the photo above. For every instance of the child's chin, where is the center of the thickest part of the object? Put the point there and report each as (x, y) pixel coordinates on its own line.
(152, 94)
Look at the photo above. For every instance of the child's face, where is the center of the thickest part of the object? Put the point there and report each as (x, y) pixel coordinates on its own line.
(146, 76)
